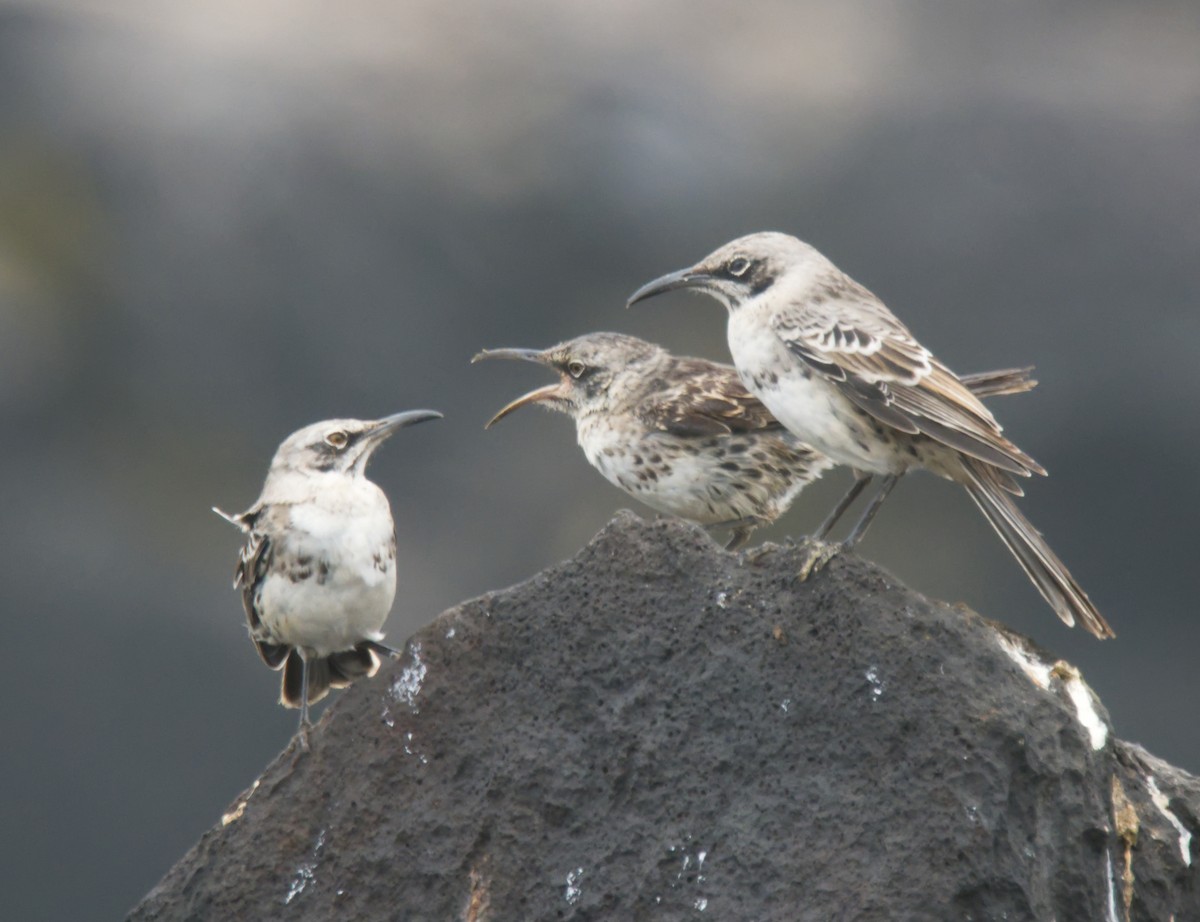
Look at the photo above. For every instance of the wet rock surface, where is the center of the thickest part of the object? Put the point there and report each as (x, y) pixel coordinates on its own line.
(656, 729)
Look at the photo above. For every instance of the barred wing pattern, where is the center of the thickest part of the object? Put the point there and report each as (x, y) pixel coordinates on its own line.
(853, 340)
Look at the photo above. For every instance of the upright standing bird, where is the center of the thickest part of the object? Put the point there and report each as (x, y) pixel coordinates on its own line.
(836, 368)
(683, 435)
(318, 572)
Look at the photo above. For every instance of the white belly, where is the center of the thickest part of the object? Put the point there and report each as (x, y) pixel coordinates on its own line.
(808, 406)
(333, 577)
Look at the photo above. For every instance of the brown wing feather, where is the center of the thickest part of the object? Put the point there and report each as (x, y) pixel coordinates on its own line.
(254, 562)
(848, 336)
(701, 398)
(1000, 383)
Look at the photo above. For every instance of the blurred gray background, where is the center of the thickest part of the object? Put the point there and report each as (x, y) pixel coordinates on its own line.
(220, 221)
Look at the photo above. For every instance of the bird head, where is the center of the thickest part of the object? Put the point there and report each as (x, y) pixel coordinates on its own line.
(591, 370)
(341, 445)
(738, 271)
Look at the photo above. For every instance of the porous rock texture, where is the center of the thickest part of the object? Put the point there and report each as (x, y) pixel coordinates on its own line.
(656, 729)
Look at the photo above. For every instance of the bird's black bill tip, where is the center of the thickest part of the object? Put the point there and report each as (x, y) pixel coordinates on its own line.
(390, 424)
(684, 278)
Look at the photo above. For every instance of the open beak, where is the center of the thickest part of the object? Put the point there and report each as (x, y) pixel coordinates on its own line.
(397, 421)
(549, 392)
(684, 278)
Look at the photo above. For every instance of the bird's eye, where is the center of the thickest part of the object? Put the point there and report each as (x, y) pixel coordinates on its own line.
(576, 369)
(337, 439)
(738, 266)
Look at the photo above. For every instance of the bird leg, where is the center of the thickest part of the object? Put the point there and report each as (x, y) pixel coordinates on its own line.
(741, 529)
(860, 483)
(302, 733)
(860, 527)
(818, 553)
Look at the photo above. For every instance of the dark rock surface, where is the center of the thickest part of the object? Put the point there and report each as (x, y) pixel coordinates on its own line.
(656, 729)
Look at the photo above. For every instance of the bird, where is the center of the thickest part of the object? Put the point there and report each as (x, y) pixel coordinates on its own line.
(683, 435)
(832, 363)
(318, 571)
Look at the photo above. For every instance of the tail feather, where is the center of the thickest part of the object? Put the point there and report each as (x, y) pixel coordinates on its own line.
(273, 654)
(382, 649)
(1000, 383)
(338, 670)
(1039, 562)
(348, 665)
(292, 690)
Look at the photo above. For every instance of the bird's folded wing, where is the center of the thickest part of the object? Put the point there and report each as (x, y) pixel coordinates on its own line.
(704, 399)
(254, 562)
(877, 364)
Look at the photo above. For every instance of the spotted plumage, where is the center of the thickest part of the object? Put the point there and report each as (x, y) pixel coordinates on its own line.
(683, 435)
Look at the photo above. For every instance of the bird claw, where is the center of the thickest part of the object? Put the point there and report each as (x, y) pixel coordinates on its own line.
(815, 555)
(755, 554)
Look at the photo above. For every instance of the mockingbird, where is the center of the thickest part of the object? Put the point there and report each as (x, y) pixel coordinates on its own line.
(833, 364)
(318, 572)
(683, 435)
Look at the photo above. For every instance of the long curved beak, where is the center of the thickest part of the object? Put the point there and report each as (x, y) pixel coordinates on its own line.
(397, 421)
(525, 355)
(548, 392)
(684, 278)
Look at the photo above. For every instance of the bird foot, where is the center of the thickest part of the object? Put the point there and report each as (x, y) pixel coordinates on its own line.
(815, 555)
(755, 554)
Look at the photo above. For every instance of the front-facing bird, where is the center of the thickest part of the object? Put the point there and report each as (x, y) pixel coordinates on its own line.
(318, 571)
(840, 371)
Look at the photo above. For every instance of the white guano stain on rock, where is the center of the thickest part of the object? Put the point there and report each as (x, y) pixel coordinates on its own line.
(236, 813)
(1160, 801)
(411, 750)
(1112, 888)
(1042, 673)
(573, 891)
(1037, 670)
(307, 872)
(407, 685)
(877, 684)
(1085, 703)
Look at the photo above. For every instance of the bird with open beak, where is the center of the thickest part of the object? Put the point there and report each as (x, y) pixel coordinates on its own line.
(682, 435)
